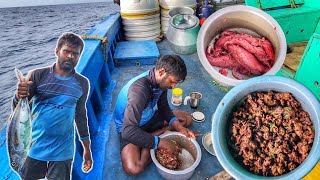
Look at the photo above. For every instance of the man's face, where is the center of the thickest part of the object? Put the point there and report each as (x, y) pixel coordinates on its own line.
(68, 57)
(169, 82)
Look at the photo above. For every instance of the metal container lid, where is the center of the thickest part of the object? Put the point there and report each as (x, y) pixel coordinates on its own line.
(198, 116)
(184, 21)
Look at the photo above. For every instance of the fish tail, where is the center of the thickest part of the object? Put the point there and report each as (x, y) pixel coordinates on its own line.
(19, 75)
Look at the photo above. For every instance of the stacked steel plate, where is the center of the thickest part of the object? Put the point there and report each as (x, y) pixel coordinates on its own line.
(141, 19)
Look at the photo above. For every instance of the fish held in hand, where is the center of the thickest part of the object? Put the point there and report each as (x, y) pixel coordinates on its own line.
(19, 132)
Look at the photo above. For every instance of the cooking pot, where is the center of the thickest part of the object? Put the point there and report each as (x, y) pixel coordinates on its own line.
(182, 33)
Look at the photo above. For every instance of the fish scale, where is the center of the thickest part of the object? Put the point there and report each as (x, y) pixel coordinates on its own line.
(19, 132)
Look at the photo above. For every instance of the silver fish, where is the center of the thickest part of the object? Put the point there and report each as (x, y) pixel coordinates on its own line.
(19, 132)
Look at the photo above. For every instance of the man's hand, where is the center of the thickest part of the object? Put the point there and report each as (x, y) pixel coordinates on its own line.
(23, 89)
(87, 161)
(87, 156)
(187, 132)
(169, 145)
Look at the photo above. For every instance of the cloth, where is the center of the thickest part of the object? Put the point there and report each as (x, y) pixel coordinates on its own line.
(57, 103)
(137, 103)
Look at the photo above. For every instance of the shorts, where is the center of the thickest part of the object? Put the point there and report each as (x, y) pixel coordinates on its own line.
(155, 123)
(36, 169)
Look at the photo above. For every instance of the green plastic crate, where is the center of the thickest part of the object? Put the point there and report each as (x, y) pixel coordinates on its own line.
(297, 23)
(308, 72)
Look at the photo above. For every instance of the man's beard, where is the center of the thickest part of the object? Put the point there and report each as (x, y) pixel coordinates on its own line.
(162, 84)
(66, 67)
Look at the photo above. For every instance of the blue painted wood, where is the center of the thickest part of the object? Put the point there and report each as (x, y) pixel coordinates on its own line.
(127, 50)
(98, 71)
(93, 124)
(5, 172)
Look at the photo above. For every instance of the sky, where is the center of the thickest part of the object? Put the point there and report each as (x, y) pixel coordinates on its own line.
(20, 3)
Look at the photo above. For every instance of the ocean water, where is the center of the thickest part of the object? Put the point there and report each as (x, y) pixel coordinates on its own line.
(28, 37)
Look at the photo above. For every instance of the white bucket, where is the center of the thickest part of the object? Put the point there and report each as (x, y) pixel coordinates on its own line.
(142, 34)
(140, 17)
(143, 38)
(138, 6)
(141, 28)
(165, 21)
(141, 22)
(164, 29)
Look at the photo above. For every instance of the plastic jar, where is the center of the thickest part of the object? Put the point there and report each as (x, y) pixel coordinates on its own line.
(176, 98)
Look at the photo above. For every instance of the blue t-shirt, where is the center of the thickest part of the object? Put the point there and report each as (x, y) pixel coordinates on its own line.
(54, 106)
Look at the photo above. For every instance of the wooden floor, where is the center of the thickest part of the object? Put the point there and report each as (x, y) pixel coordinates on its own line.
(292, 60)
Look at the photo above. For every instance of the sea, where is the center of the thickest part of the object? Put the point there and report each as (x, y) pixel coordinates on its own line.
(28, 37)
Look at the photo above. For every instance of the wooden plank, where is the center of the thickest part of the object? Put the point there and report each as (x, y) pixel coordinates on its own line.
(292, 60)
(223, 175)
(314, 174)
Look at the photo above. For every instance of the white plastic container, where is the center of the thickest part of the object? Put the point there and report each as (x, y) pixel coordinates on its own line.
(143, 38)
(138, 6)
(142, 34)
(141, 28)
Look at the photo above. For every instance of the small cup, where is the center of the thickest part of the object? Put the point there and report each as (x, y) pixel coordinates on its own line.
(194, 99)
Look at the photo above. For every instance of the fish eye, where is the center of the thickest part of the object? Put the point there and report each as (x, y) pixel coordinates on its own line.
(13, 163)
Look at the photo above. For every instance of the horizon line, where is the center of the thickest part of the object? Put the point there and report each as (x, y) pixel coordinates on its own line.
(52, 4)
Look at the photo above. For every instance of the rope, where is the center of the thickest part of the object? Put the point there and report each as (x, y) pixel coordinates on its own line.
(292, 4)
(104, 42)
(259, 4)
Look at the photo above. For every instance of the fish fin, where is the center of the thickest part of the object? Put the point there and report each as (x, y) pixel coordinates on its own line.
(34, 115)
(32, 143)
(20, 75)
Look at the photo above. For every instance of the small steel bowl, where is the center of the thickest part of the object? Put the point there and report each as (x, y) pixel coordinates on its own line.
(207, 143)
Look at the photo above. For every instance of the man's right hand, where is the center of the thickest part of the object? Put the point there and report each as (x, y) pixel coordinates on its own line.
(23, 89)
(169, 145)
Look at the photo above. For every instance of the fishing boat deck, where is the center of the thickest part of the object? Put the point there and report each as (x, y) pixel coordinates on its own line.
(106, 80)
(197, 80)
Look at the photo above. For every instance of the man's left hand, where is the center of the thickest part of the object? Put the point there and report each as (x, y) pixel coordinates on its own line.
(187, 132)
(87, 161)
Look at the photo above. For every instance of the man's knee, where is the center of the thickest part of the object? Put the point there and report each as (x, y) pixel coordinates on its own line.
(132, 169)
(188, 120)
(184, 117)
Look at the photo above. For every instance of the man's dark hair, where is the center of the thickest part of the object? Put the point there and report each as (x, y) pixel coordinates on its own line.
(174, 65)
(70, 39)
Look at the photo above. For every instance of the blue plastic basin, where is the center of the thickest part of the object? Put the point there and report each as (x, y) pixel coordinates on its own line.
(308, 102)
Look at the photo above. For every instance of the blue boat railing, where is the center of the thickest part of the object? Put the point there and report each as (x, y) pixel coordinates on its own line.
(97, 67)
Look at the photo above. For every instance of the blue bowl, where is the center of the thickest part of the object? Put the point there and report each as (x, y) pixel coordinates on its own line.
(308, 102)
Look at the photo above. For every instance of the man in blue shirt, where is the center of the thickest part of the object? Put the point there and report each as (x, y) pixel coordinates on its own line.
(59, 97)
(142, 113)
